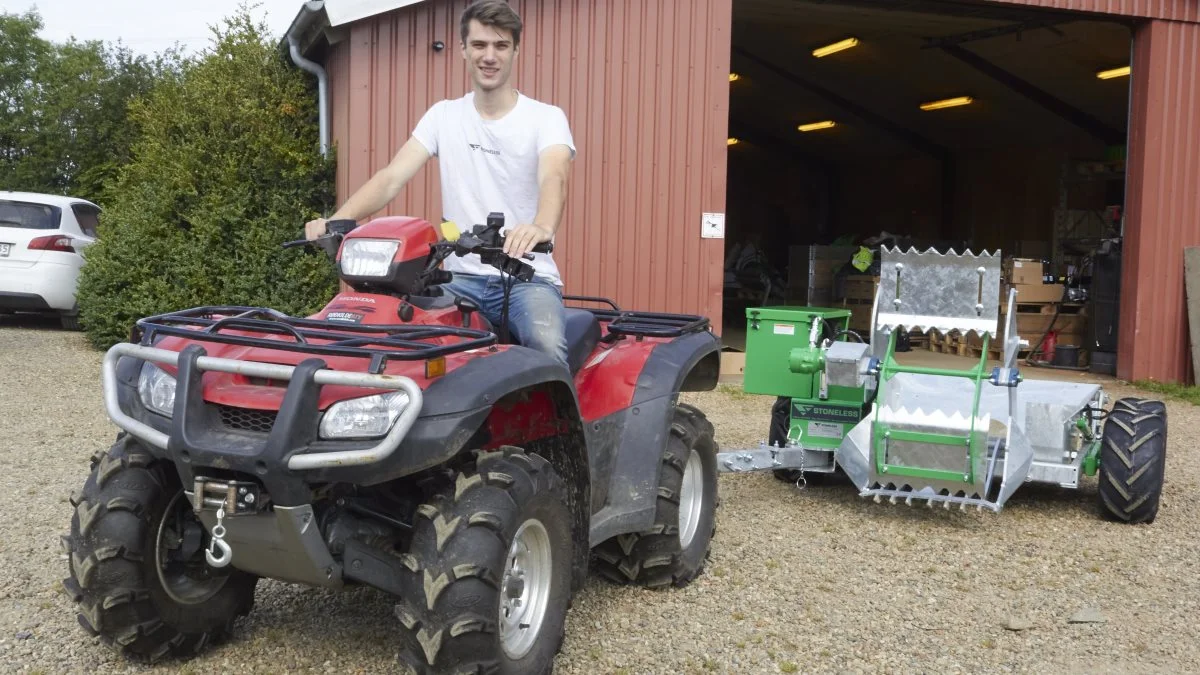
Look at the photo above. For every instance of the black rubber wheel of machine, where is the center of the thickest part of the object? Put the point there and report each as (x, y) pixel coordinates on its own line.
(656, 558)
(777, 435)
(781, 414)
(127, 501)
(453, 588)
(1133, 457)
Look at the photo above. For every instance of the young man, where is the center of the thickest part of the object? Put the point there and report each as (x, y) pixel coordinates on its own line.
(498, 150)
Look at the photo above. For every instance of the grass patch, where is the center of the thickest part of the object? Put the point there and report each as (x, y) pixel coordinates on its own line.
(733, 391)
(788, 667)
(1176, 391)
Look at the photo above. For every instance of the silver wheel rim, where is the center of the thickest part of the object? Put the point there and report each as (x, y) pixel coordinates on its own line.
(525, 590)
(691, 499)
(180, 586)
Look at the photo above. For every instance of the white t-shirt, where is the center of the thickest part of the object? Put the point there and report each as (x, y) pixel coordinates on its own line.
(492, 165)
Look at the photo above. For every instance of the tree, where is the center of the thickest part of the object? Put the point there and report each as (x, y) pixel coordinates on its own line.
(66, 129)
(226, 167)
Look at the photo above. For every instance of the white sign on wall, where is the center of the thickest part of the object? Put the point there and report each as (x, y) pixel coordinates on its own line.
(712, 226)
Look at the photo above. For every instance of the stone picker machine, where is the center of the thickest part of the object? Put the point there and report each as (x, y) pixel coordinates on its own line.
(942, 436)
(393, 441)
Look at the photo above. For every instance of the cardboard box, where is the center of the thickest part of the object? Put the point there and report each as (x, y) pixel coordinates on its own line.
(860, 287)
(1023, 271)
(1036, 292)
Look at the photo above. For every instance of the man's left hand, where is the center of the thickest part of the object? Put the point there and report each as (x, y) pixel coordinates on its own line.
(521, 239)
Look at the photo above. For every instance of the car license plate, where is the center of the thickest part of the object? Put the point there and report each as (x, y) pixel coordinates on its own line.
(5, 249)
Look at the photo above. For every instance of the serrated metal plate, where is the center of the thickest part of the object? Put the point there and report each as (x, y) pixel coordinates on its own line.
(931, 290)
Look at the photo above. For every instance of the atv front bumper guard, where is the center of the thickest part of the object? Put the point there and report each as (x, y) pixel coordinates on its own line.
(298, 462)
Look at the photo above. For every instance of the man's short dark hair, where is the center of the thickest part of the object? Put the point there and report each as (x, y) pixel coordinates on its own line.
(493, 13)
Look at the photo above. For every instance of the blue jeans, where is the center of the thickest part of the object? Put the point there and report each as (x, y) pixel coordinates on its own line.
(535, 310)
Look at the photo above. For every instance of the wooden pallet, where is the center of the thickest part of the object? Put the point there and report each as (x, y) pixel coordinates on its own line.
(918, 340)
(951, 343)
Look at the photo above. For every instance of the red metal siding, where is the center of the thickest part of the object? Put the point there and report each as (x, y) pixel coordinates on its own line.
(644, 84)
(1163, 210)
(1175, 10)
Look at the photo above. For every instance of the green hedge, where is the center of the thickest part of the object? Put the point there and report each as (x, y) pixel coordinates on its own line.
(225, 169)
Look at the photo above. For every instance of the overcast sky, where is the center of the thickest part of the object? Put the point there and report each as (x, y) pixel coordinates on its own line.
(148, 26)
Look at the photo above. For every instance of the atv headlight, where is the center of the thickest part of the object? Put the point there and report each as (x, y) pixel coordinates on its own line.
(368, 257)
(366, 417)
(156, 389)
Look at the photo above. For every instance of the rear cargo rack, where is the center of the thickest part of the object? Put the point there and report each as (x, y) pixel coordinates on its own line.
(641, 324)
(380, 343)
(650, 324)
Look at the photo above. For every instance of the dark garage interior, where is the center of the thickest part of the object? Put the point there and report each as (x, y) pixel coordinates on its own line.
(1031, 162)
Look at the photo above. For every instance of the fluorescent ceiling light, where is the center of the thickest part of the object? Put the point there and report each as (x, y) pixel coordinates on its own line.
(1113, 72)
(947, 103)
(813, 126)
(734, 77)
(835, 47)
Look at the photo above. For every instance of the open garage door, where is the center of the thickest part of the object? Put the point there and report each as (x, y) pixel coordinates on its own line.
(861, 123)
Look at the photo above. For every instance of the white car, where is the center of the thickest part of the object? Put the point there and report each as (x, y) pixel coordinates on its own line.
(41, 237)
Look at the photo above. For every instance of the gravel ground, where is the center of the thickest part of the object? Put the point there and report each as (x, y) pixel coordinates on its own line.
(799, 581)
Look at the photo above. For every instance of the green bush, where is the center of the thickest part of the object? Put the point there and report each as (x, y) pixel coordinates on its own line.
(226, 168)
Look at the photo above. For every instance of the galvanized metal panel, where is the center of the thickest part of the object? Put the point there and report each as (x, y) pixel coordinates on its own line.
(1175, 10)
(1163, 205)
(346, 11)
(648, 107)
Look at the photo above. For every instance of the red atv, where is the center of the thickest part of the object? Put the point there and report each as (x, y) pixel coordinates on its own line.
(394, 440)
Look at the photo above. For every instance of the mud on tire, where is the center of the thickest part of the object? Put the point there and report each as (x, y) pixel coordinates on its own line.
(657, 557)
(113, 562)
(1133, 457)
(457, 582)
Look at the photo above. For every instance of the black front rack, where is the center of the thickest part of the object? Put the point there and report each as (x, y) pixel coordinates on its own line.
(380, 343)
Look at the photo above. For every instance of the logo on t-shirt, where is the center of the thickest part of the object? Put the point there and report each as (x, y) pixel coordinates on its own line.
(476, 146)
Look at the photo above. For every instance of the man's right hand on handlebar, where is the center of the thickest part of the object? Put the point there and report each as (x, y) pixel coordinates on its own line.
(314, 228)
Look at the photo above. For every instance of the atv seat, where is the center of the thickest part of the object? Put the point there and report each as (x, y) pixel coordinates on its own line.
(582, 332)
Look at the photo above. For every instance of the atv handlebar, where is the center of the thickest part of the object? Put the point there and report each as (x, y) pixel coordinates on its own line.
(335, 231)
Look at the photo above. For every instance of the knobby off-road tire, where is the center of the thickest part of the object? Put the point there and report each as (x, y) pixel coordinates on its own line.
(1133, 458)
(113, 551)
(458, 582)
(666, 555)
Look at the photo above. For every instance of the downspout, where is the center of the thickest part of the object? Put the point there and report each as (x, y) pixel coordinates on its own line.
(314, 68)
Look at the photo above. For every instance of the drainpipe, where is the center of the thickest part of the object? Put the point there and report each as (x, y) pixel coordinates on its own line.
(314, 68)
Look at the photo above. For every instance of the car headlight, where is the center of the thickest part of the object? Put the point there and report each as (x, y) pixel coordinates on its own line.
(368, 257)
(156, 389)
(366, 417)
